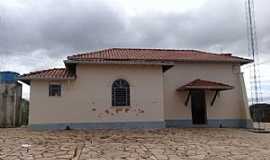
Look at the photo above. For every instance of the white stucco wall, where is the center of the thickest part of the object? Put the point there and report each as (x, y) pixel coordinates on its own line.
(88, 98)
(153, 94)
(228, 105)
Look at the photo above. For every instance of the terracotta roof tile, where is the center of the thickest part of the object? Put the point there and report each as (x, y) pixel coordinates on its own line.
(132, 55)
(203, 84)
(55, 73)
(155, 55)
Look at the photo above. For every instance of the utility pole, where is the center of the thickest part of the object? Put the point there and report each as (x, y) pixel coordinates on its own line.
(255, 82)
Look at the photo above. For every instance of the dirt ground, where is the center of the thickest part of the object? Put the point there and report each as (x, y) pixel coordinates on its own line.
(163, 144)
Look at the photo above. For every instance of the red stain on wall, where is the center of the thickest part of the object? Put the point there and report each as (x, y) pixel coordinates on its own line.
(107, 111)
(126, 110)
(117, 110)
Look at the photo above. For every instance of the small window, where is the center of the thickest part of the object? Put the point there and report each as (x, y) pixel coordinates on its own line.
(120, 93)
(55, 90)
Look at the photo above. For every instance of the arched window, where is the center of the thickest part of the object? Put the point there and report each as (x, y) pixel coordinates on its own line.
(120, 93)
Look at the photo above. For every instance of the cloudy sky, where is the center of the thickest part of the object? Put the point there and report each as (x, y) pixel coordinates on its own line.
(40, 34)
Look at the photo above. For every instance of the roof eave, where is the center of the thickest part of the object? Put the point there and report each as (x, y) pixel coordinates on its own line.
(149, 62)
(246, 61)
(102, 61)
(26, 81)
(40, 78)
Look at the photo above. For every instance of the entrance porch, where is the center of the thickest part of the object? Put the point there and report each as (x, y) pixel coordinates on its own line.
(196, 97)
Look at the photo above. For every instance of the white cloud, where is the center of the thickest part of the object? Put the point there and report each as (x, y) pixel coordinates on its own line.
(138, 7)
(39, 34)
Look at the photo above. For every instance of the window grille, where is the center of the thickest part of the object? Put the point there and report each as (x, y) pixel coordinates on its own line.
(54, 90)
(120, 93)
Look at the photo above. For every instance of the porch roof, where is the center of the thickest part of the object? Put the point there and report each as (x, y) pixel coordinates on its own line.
(206, 85)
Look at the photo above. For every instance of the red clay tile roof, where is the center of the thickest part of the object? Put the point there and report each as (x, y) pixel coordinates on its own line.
(54, 74)
(130, 54)
(203, 84)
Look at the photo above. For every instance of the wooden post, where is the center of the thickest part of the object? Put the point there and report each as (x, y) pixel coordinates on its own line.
(214, 98)
(187, 99)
